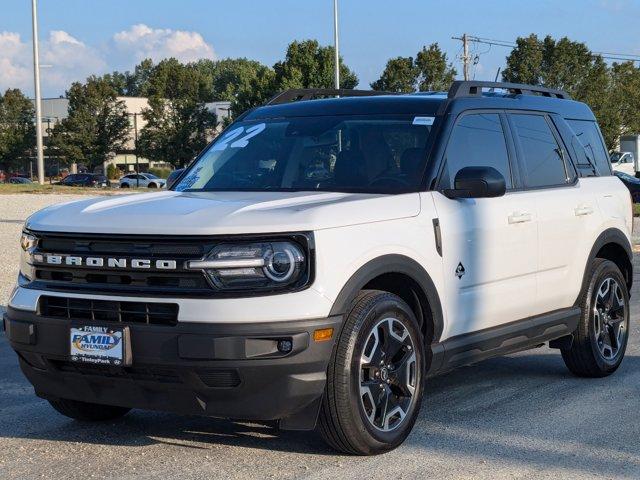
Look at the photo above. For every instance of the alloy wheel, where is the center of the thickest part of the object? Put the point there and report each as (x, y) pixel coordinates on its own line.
(609, 318)
(389, 374)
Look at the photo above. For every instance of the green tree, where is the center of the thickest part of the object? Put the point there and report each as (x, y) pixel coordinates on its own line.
(435, 73)
(245, 83)
(178, 122)
(97, 125)
(17, 130)
(399, 75)
(307, 64)
(131, 84)
(613, 93)
(428, 71)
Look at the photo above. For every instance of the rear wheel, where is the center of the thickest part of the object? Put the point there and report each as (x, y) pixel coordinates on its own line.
(88, 412)
(124, 185)
(375, 377)
(600, 341)
(152, 185)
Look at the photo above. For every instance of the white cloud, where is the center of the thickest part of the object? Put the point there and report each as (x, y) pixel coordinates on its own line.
(140, 42)
(65, 59)
(14, 70)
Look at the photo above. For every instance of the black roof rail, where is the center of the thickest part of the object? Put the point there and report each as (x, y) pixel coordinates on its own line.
(297, 94)
(471, 88)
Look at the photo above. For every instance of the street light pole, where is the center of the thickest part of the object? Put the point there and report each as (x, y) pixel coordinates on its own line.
(135, 135)
(336, 45)
(36, 80)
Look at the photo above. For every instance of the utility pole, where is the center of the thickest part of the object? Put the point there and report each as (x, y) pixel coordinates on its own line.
(466, 58)
(336, 44)
(36, 81)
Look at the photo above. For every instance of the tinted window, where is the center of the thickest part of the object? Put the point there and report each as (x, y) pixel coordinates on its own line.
(590, 138)
(343, 153)
(477, 140)
(543, 164)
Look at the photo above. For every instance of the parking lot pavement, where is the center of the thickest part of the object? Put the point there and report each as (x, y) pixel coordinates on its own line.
(521, 416)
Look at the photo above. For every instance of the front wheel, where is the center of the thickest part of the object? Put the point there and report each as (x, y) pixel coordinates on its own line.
(600, 341)
(375, 377)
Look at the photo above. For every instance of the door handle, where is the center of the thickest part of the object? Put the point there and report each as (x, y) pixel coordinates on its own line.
(583, 210)
(520, 217)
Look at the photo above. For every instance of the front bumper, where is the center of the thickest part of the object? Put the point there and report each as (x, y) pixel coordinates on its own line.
(218, 370)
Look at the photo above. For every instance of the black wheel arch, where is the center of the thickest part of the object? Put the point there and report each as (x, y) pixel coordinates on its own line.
(375, 273)
(612, 244)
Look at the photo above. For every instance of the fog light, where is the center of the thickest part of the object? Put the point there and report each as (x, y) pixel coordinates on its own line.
(285, 346)
(323, 334)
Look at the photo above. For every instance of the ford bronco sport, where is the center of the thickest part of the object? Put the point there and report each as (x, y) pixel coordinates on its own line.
(324, 256)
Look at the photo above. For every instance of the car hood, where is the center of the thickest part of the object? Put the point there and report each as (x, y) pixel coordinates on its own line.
(208, 213)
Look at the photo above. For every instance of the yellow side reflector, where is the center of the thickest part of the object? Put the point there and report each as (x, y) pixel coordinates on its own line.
(323, 334)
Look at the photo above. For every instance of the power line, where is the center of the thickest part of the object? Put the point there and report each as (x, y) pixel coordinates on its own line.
(625, 57)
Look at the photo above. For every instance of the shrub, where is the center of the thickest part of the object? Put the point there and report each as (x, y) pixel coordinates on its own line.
(160, 172)
(112, 172)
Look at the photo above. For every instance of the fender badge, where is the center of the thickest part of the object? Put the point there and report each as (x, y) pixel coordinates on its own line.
(460, 271)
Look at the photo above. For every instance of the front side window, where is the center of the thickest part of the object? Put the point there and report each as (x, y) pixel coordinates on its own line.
(345, 153)
(542, 156)
(477, 140)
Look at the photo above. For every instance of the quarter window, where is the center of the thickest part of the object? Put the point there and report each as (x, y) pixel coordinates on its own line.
(477, 140)
(590, 138)
(542, 156)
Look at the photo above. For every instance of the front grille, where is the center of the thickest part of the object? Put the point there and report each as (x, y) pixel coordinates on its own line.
(126, 280)
(108, 310)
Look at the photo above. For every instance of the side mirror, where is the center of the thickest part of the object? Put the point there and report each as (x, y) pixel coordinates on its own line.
(477, 182)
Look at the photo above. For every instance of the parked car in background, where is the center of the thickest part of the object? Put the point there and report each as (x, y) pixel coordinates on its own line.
(85, 180)
(623, 162)
(632, 183)
(173, 176)
(18, 180)
(142, 180)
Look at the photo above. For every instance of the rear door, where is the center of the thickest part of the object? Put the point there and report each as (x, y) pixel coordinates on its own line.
(489, 245)
(565, 210)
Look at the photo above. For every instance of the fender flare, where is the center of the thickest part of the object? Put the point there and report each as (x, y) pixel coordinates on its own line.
(610, 235)
(392, 263)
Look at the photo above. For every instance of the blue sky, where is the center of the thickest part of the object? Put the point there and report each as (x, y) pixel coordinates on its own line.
(85, 36)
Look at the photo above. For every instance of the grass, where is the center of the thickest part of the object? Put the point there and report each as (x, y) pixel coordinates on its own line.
(636, 209)
(6, 188)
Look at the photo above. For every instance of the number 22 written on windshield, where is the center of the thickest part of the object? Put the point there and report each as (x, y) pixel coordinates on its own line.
(241, 142)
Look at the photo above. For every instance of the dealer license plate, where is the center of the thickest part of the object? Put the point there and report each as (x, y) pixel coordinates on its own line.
(101, 345)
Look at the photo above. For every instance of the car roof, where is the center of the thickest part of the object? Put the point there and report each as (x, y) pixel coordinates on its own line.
(424, 103)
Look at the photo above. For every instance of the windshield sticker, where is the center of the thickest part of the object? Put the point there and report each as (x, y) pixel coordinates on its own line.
(428, 121)
(228, 139)
(190, 180)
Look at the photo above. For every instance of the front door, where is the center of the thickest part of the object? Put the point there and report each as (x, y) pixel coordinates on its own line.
(489, 245)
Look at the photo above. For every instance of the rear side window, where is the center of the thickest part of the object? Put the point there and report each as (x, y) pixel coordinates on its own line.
(589, 136)
(477, 140)
(543, 164)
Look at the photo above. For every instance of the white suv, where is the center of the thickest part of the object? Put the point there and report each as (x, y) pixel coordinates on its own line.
(323, 257)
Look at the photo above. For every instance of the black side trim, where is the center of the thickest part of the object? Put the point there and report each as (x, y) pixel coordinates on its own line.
(438, 235)
(509, 338)
(392, 264)
(611, 235)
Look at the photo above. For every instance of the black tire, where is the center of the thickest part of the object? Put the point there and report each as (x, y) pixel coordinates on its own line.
(635, 196)
(585, 357)
(343, 421)
(152, 185)
(124, 185)
(88, 412)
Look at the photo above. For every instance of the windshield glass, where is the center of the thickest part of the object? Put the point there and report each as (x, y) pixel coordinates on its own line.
(615, 157)
(383, 153)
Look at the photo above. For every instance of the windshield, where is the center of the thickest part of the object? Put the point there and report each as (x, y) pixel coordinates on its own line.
(383, 153)
(615, 157)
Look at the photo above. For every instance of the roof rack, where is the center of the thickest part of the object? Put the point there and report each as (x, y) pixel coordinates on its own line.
(297, 94)
(471, 88)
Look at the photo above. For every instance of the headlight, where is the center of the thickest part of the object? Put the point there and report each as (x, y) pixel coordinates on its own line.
(257, 266)
(28, 243)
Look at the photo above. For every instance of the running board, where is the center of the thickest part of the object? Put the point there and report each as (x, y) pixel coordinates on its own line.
(509, 338)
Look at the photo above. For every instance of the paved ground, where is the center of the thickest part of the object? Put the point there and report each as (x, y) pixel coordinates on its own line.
(521, 416)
